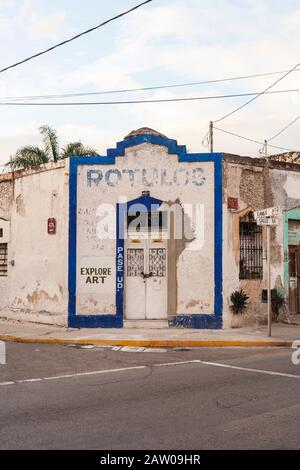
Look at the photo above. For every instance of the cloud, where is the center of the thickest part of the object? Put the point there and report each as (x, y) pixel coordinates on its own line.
(172, 42)
(36, 24)
(24, 17)
(5, 4)
(46, 26)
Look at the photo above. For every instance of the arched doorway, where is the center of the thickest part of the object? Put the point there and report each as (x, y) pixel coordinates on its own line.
(146, 259)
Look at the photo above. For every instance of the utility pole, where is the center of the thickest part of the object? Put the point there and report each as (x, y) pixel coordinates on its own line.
(266, 149)
(268, 228)
(211, 136)
(268, 217)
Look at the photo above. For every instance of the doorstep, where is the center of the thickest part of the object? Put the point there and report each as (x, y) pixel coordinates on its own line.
(146, 324)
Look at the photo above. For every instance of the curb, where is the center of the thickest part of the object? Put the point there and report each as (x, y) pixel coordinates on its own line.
(149, 343)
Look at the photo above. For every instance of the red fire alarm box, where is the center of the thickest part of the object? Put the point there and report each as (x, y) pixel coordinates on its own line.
(51, 226)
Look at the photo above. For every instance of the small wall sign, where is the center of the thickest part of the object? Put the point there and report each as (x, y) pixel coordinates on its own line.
(233, 203)
(51, 226)
(96, 275)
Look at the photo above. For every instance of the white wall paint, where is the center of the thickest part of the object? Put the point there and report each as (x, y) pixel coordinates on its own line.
(36, 287)
(128, 178)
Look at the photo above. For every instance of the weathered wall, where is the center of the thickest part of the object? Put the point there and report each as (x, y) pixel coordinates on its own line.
(256, 184)
(6, 197)
(36, 286)
(147, 167)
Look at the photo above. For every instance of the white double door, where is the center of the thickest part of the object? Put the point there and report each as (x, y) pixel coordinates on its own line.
(146, 277)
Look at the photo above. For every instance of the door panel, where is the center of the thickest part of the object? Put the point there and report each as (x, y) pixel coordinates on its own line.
(135, 285)
(298, 277)
(157, 284)
(294, 279)
(146, 278)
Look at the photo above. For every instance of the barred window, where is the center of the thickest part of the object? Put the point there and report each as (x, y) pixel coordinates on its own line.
(3, 259)
(251, 250)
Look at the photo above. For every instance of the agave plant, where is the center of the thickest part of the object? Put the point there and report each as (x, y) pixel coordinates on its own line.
(277, 302)
(30, 156)
(239, 301)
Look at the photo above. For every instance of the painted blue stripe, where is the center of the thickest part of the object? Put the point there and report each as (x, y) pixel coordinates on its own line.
(116, 321)
(72, 238)
(95, 321)
(120, 261)
(196, 321)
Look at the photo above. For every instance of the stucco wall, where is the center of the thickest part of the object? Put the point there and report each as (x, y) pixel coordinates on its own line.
(147, 167)
(36, 286)
(256, 185)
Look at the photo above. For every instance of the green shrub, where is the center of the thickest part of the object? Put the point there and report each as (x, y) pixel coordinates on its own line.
(277, 301)
(239, 301)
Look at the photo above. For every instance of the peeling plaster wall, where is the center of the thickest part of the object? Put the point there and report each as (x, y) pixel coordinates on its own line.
(256, 185)
(36, 286)
(148, 167)
(6, 198)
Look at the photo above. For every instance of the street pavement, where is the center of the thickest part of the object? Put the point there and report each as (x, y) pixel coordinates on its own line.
(74, 397)
(255, 335)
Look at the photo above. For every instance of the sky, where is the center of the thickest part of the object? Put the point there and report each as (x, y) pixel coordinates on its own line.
(164, 42)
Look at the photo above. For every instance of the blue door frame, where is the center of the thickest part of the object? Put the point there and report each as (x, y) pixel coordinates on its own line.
(209, 321)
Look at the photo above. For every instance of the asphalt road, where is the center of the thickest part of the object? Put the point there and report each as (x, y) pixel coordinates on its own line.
(62, 397)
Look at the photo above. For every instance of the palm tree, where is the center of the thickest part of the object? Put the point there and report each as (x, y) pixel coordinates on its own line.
(30, 156)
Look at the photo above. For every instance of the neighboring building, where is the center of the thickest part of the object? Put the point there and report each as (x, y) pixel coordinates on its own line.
(146, 235)
(252, 184)
(287, 157)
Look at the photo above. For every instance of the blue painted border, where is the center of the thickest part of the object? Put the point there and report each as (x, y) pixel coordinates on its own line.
(212, 321)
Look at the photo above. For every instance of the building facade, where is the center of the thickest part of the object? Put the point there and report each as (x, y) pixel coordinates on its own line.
(147, 235)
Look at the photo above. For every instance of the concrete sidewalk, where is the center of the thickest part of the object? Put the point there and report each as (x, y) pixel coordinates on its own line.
(282, 335)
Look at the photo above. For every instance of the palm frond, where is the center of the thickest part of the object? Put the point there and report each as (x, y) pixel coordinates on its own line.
(77, 149)
(27, 157)
(30, 156)
(50, 142)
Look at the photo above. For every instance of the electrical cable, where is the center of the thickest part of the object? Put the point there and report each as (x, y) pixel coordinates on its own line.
(284, 129)
(163, 100)
(34, 56)
(149, 88)
(260, 94)
(252, 140)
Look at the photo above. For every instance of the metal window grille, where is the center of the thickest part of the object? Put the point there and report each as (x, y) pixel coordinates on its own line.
(157, 262)
(135, 262)
(251, 251)
(3, 259)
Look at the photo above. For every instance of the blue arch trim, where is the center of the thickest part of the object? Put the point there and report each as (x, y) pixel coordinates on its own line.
(147, 203)
(211, 321)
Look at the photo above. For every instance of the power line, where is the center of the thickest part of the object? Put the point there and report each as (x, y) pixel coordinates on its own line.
(164, 100)
(260, 94)
(284, 128)
(149, 88)
(252, 140)
(237, 135)
(74, 37)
